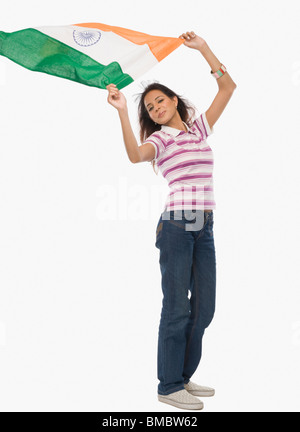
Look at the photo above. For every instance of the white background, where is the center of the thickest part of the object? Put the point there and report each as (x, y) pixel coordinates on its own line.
(80, 296)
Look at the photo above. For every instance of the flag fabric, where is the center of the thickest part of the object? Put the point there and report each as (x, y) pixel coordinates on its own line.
(93, 54)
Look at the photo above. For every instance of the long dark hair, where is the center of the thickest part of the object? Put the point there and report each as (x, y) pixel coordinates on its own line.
(147, 126)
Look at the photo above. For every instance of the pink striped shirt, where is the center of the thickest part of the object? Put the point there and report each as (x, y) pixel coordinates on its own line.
(186, 161)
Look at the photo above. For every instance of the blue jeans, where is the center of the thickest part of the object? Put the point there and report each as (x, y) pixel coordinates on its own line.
(188, 270)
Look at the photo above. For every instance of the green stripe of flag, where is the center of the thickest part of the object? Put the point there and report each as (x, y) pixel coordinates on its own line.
(38, 52)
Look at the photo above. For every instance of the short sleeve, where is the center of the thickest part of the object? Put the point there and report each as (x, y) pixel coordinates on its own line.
(202, 126)
(158, 143)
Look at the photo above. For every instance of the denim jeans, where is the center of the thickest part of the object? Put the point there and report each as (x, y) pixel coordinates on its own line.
(188, 277)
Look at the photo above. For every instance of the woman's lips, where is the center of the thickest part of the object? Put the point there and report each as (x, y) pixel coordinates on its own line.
(161, 114)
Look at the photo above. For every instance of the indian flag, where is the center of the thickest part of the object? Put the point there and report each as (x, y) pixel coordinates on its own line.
(93, 54)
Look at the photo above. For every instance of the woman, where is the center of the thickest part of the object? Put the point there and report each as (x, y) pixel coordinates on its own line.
(187, 253)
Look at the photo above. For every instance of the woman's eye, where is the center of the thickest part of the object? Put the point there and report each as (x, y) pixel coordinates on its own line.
(158, 102)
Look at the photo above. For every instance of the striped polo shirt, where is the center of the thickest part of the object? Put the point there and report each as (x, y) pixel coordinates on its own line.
(186, 161)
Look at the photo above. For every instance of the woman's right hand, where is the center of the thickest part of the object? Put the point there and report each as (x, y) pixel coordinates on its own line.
(115, 97)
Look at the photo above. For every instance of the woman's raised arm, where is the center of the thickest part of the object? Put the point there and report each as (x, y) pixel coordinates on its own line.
(225, 82)
(118, 101)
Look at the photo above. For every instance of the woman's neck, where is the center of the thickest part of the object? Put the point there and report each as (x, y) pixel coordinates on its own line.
(177, 123)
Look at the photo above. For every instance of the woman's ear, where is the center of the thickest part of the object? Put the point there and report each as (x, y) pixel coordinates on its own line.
(175, 99)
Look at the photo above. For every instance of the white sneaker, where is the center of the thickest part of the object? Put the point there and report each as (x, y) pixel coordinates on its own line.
(181, 399)
(196, 390)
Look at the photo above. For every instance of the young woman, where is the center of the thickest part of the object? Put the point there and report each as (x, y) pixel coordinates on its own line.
(187, 254)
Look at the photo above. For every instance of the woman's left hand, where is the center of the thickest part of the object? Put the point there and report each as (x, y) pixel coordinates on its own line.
(192, 40)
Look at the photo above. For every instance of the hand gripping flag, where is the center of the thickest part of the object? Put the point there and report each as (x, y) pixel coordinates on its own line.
(93, 54)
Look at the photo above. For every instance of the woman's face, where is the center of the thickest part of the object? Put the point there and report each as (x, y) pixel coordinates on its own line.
(161, 108)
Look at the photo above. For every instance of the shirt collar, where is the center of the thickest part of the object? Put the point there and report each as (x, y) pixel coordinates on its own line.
(172, 131)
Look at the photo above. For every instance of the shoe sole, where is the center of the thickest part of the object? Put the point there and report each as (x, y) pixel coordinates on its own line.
(201, 394)
(199, 406)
